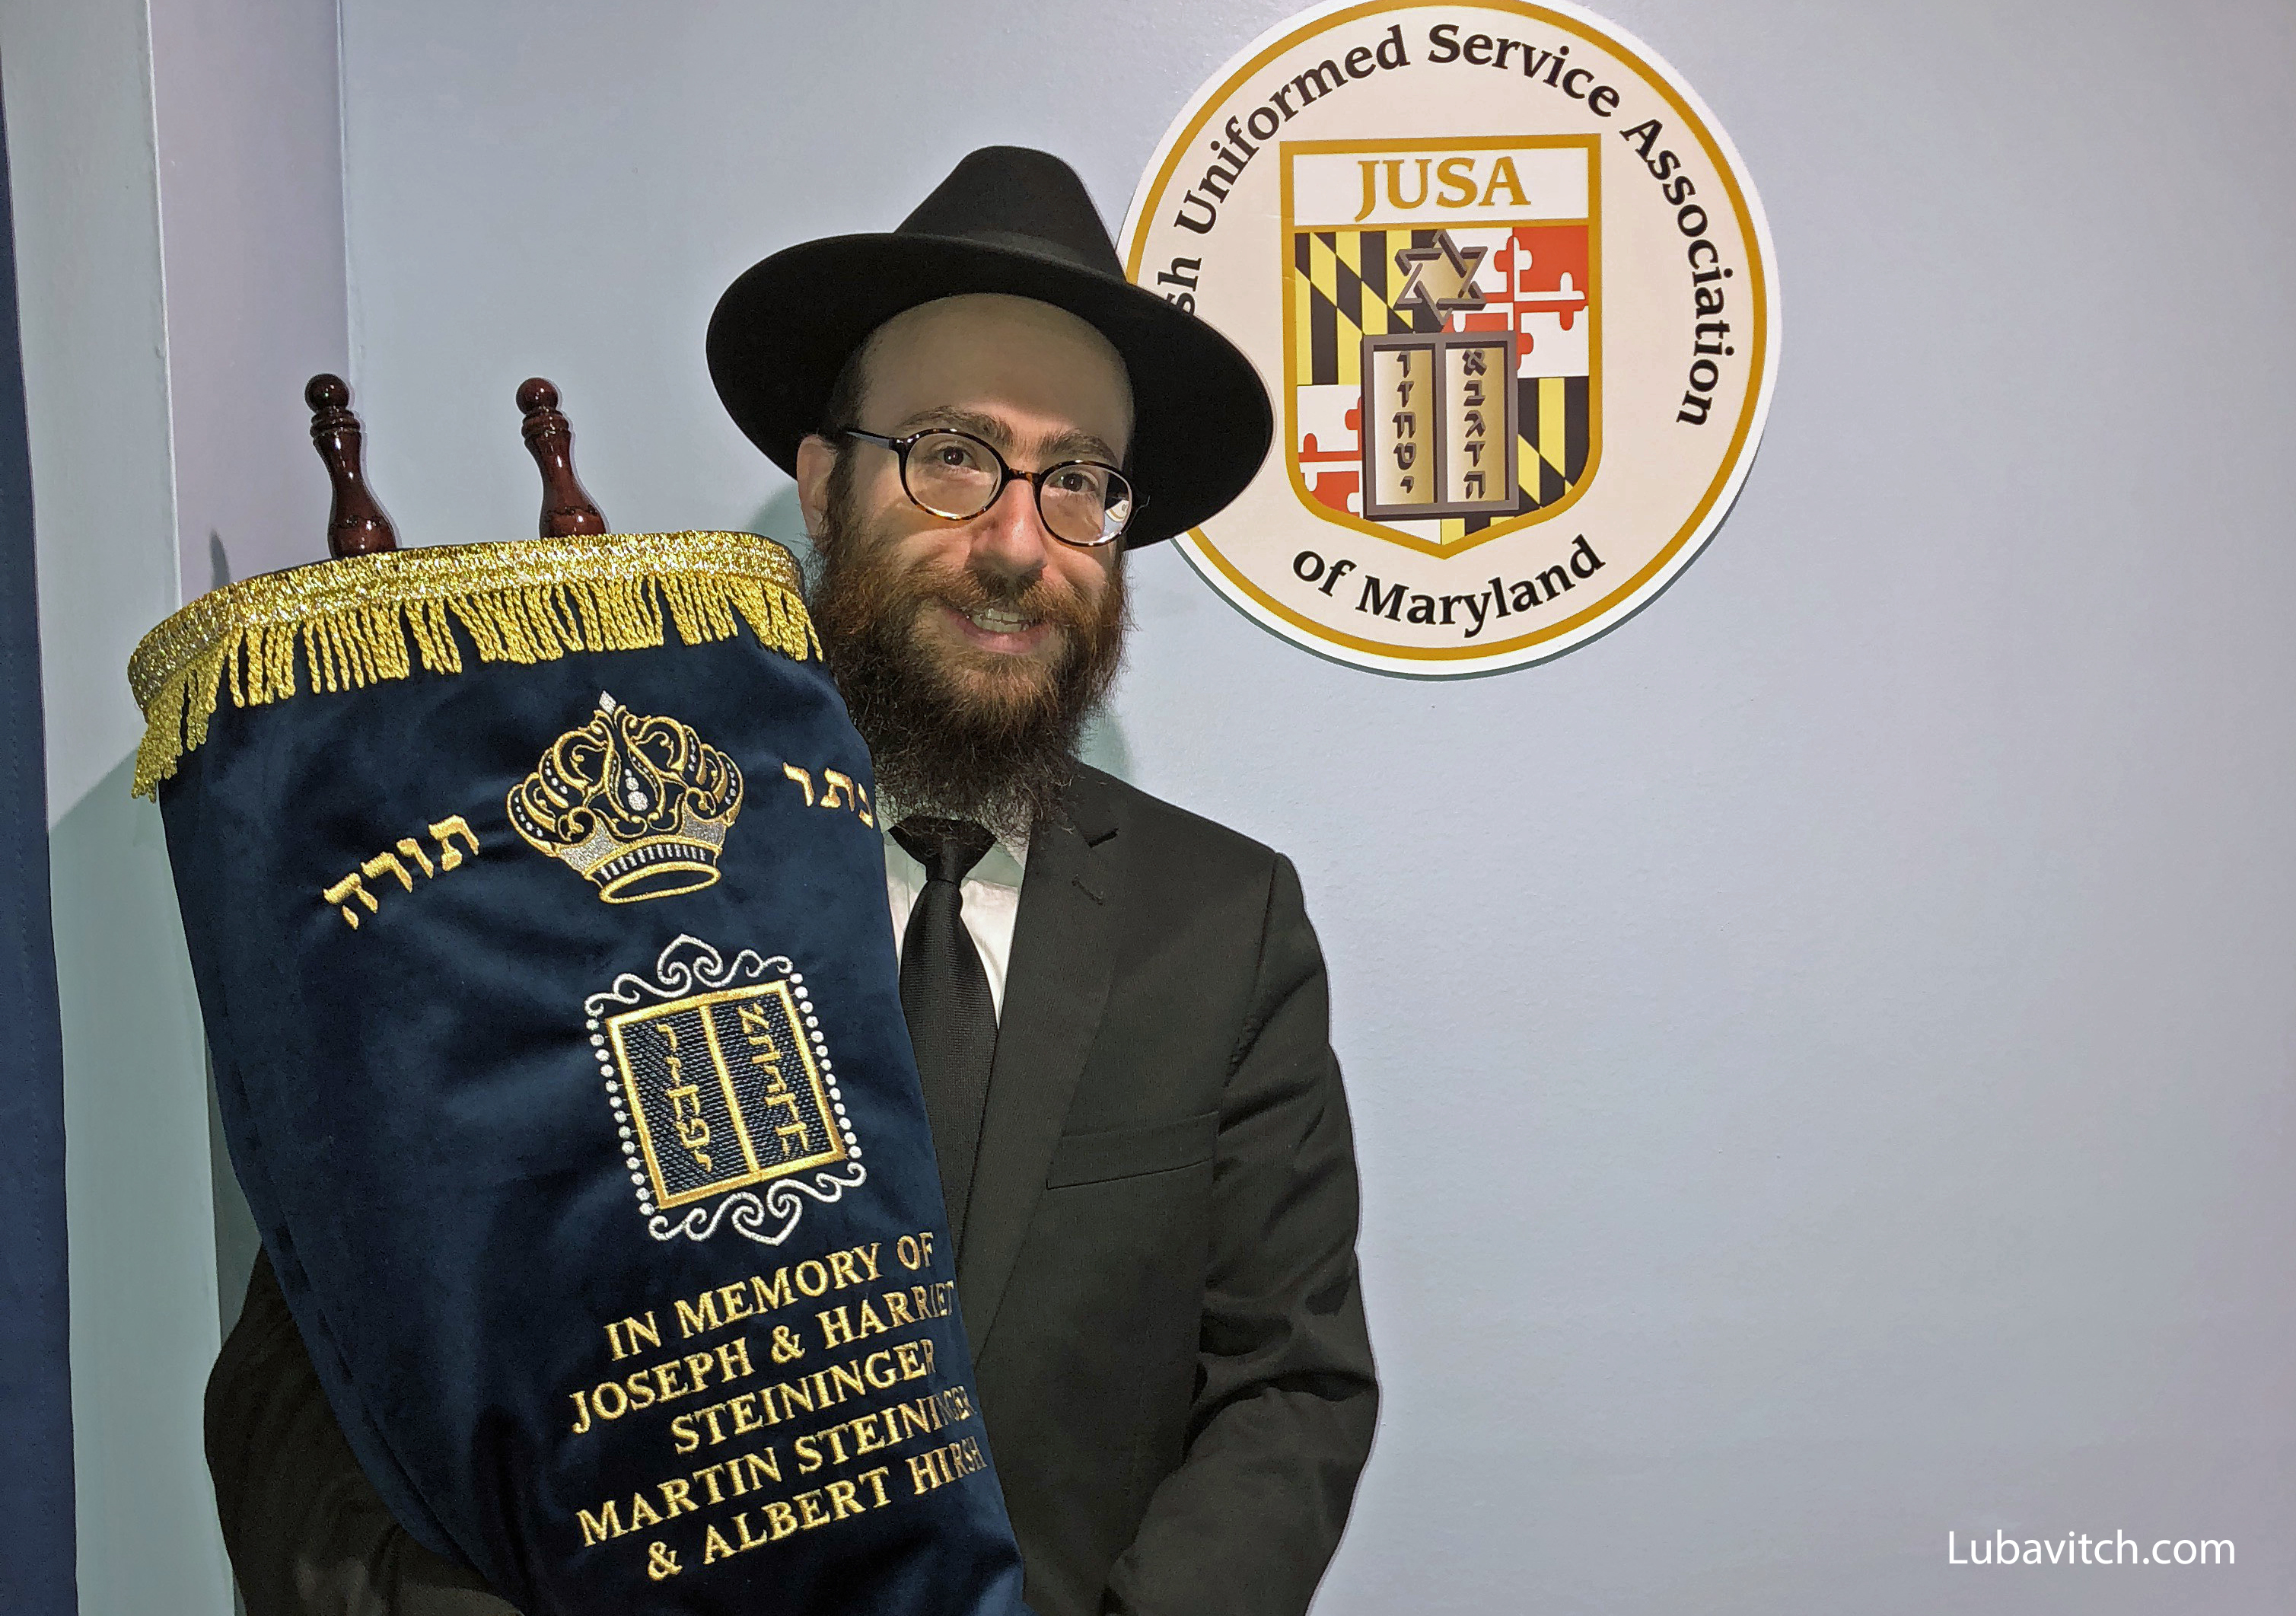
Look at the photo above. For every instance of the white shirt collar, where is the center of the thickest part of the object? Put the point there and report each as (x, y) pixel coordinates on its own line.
(1002, 865)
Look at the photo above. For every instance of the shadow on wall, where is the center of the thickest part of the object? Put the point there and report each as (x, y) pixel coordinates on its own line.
(1104, 747)
(780, 519)
(143, 1339)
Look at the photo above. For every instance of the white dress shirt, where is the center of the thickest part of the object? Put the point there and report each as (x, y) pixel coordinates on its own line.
(991, 898)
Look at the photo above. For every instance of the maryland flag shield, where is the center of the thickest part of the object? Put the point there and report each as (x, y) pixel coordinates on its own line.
(1441, 359)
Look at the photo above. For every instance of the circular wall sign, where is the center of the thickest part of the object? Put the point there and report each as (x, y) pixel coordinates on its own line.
(1513, 297)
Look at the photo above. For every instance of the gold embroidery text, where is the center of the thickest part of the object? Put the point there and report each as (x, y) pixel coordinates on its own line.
(388, 863)
(837, 790)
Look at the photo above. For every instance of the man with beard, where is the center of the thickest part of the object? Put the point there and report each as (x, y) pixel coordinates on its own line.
(970, 652)
(1119, 1008)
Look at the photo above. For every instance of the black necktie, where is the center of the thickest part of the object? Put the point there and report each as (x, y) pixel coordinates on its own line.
(945, 995)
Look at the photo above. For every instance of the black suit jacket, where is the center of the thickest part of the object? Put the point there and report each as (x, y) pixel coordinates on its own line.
(1157, 1274)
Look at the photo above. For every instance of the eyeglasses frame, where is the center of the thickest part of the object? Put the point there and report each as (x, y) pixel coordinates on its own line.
(1006, 477)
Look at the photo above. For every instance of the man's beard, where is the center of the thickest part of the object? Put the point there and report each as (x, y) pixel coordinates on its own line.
(993, 741)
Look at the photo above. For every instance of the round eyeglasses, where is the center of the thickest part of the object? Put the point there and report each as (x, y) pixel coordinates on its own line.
(955, 475)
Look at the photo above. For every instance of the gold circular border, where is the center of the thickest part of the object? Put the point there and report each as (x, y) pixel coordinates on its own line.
(1152, 201)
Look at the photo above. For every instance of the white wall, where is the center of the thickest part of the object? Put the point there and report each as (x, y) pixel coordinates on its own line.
(176, 174)
(251, 196)
(1822, 1053)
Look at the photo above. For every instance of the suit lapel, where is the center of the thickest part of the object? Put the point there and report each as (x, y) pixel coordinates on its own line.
(1055, 988)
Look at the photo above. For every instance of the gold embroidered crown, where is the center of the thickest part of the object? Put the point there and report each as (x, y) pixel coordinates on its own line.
(639, 804)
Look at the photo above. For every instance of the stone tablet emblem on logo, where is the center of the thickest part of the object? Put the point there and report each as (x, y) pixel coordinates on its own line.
(639, 804)
(720, 1081)
(1514, 293)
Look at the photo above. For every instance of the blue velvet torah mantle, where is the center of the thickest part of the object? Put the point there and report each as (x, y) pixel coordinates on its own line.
(537, 913)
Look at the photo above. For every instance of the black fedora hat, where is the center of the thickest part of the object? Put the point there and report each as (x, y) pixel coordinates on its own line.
(1007, 220)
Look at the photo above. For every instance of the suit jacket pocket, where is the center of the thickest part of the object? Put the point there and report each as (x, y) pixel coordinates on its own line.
(1133, 1151)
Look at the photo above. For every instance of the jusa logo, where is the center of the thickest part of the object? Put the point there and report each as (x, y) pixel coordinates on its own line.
(1477, 249)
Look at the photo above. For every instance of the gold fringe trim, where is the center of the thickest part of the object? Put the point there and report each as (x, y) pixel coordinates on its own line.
(345, 624)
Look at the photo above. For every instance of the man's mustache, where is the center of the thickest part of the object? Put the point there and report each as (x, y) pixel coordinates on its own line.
(970, 587)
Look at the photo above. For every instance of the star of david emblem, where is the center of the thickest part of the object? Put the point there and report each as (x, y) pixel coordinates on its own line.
(1441, 278)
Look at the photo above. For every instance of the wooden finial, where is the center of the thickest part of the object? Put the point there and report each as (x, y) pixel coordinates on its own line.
(358, 525)
(567, 509)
